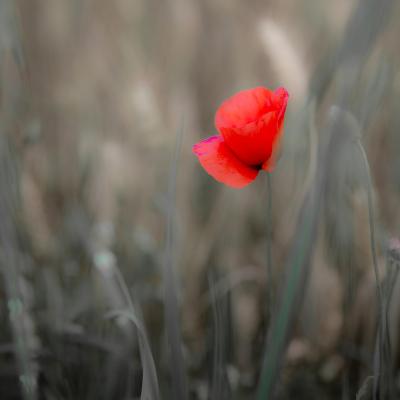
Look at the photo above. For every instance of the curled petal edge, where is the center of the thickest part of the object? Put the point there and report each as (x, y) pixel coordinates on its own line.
(220, 162)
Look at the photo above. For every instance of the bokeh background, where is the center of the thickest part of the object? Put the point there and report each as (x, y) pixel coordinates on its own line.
(101, 102)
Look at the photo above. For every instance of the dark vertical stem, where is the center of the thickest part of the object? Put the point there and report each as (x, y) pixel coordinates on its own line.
(270, 286)
(298, 263)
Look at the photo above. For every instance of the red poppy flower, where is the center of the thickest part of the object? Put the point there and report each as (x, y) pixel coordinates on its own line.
(250, 126)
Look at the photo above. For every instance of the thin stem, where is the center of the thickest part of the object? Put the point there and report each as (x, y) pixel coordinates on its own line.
(270, 294)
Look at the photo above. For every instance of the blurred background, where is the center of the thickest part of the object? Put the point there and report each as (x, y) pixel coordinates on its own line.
(95, 97)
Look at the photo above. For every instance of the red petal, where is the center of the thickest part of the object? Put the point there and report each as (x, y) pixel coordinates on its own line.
(219, 161)
(244, 107)
(251, 122)
(270, 163)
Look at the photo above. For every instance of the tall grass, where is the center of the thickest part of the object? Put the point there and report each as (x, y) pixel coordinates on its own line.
(127, 272)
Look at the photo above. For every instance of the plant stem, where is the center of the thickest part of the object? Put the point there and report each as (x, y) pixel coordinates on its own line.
(270, 294)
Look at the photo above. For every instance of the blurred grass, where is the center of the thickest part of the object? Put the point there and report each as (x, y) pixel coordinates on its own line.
(91, 95)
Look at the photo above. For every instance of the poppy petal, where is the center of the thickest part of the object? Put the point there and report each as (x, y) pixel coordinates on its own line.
(219, 161)
(270, 163)
(250, 122)
(244, 107)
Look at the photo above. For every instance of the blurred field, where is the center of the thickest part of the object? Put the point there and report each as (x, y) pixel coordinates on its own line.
(129, 273)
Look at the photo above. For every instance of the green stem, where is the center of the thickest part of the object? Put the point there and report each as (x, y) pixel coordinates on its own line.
(270, 294)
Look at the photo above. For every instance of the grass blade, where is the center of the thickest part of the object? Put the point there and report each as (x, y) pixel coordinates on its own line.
(150, 381)
(220, 389)
(298, 266)
(179, 381)
(11, 266)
